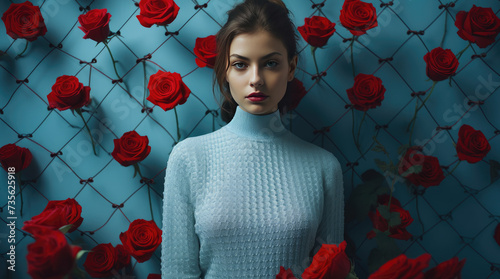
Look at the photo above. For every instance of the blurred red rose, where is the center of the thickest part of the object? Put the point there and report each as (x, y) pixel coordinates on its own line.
(317, 30)
(382, 224)
(358, 16)
(131, 148)
(367, 92)
(206, 51)
(123, 257)
(440, 64)
(167, 90)
(68, 93)
(294, 93)
(95, 24)
(330, 261)
(141, 239)
(450, 269)
(479, 25)
(154, 276)
(56, 215)
(472, 145)
(403, 268)
(285, 274)
(496, 236)
(50, 256)
(14, 156)
(24, 21)
(101, 260)
(430, 174)
(159, 12)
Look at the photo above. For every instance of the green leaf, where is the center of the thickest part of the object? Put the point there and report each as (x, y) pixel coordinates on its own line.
(386, 250)
(80, 254)
(394, 220)
(378, 148)
(402, 149)
(494, 170)
(66, 228)
(382, 165)
(413, 169)
(364, 196)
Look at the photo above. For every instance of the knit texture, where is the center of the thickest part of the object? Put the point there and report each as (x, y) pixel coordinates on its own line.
(246, 199)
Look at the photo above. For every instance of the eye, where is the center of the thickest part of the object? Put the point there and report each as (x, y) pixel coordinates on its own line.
(239, 65)
(272, 64)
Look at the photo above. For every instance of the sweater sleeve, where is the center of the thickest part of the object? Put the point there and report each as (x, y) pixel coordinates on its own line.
(180, 245)
(331, 228)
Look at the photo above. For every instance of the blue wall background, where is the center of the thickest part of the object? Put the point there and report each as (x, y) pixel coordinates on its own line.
(459, 215)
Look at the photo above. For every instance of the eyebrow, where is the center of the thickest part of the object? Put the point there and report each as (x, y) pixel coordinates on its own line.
(263, 57)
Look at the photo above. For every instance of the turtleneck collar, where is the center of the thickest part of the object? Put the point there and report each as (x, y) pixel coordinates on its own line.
(256, 126)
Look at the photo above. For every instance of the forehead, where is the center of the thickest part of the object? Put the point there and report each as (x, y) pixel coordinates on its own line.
(256, 45)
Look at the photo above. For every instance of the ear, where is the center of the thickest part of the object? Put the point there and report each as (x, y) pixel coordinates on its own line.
(291, 68)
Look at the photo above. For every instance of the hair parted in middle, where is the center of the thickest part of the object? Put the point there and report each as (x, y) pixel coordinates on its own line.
(249, 17)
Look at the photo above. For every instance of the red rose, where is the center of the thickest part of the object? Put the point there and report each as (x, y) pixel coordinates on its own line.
(358, 16)
(294, 94)
(50, 256)
(131, 148)
(95, 24)
(56, 215)
(154, 276)
(450, 269)
(472, 145)
(441, 64)
(24, 21)
(285, 274)
(100, 260)
(68, 93)
(430, 174)
(496, 236)
(123, 257)
(403, 268)
(141, 239)
(12, 155)
(159, 12)
(167, 90)
(330, 261)
(206, 51)
(317, 30)
(479, 25)
(380, 223)
(367, 92)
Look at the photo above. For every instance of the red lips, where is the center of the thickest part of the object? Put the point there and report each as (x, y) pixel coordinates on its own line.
(257, 97)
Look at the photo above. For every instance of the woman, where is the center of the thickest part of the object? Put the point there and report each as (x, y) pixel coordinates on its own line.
(250, 197)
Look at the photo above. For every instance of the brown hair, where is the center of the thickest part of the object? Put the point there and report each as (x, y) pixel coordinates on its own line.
(248, 17)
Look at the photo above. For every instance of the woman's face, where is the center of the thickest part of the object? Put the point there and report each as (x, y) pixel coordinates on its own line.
(258, 71)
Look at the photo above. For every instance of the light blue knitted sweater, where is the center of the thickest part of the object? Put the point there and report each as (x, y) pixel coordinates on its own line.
(246, 199)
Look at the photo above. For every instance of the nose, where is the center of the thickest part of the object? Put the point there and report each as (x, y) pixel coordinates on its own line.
(256, 78)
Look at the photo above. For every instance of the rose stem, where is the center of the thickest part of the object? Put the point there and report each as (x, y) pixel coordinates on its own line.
(313, 51)
(22, 52)
(150, 204)
(354, 136)
(352, 56)
(145, 84)
(177, 123)
(78, 110)
(417, 108)
(449, 173)
(112, 58)
(445, 27)
(462, 51)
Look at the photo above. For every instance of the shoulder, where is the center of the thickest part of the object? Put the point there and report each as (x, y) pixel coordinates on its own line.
(194, 147)
(327, 159)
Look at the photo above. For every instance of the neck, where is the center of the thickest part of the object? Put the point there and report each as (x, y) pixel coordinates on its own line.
(256, 126)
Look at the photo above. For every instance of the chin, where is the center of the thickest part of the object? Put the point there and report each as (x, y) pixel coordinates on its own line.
(256, 109)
